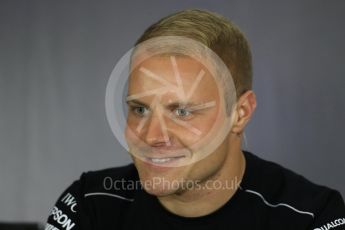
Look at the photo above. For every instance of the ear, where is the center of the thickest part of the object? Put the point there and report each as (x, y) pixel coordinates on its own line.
(246, 105)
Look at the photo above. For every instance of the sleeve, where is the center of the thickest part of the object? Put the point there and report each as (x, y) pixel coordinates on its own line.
(69, 212)
(331, 215)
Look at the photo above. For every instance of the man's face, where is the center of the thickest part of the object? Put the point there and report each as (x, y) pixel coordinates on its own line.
(173, 103)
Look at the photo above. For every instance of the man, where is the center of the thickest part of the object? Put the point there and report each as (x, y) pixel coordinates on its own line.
(189, 176)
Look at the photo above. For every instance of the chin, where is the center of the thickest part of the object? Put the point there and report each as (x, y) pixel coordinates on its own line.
(160, 191)
(159, 183)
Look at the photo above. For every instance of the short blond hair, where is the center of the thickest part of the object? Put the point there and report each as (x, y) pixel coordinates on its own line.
(214, 31)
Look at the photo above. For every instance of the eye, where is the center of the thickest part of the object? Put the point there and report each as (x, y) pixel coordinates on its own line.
(182, 112)
(140, 110)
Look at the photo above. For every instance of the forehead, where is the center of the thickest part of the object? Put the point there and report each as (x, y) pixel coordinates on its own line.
(173, 70)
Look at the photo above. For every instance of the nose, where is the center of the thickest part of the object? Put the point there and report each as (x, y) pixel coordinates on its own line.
(157, 134)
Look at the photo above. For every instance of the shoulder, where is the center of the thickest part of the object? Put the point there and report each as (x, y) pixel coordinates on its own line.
(92, 195)
(111, 180)
(281, 190)
(273, 178)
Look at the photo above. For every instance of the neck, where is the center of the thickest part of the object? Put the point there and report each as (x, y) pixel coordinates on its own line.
(200, 202)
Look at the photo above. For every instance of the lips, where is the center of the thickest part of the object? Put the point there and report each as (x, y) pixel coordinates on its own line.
(163, 160)
(162, 156)
(165, 153)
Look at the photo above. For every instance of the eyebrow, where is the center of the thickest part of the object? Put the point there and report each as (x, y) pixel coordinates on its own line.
(135, 102)
(192, 105)
(175, 104)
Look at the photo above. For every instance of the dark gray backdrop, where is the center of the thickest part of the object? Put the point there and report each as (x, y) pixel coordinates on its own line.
(56, 57)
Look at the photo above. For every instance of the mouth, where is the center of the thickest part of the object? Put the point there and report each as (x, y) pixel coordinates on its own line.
(164, 161)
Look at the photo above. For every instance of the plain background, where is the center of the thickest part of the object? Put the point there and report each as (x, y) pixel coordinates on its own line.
(56, 58)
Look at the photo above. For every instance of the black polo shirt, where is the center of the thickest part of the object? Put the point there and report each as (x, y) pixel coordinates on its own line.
(269, 197)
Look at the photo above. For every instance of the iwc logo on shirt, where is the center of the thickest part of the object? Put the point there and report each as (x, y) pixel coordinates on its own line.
(333, 224)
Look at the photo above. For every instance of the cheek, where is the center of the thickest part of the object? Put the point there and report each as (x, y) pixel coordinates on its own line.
(130, 132)
(133, 125)
(194, 129)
